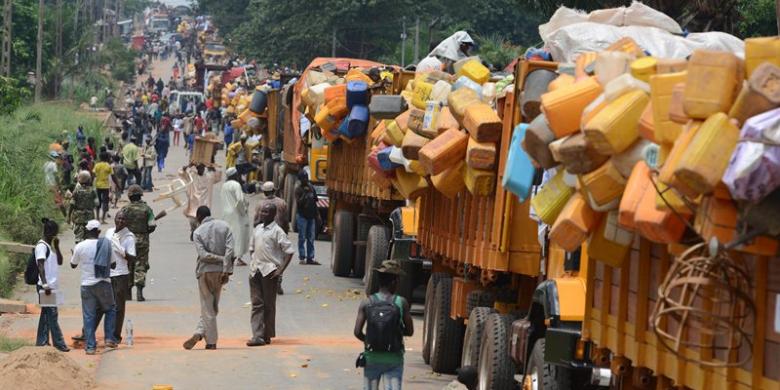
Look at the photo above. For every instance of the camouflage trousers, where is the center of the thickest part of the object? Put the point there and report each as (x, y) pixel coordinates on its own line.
(141, 266)
(79, 231)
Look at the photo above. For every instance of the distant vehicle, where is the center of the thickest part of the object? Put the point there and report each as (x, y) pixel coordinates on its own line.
(166, 38)
(159, 24)
(214, 53)
(125, 27)
(179, 97)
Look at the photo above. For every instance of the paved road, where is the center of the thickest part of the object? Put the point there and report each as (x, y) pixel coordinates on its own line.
(315, 348)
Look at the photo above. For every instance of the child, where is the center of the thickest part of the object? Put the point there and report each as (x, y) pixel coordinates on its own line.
(118, 178)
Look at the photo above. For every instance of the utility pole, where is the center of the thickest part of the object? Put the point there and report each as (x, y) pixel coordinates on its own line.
(417, 41)
(333, 44)
(5, 56)
(39, 54)
(58, 49)
(403, 42)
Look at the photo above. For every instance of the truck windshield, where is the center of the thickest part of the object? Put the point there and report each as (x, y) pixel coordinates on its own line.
(214, 47)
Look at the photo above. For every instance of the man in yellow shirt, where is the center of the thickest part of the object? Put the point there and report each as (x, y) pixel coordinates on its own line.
(102, 172)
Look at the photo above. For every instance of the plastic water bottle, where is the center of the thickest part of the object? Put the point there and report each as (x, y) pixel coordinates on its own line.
(129, 333)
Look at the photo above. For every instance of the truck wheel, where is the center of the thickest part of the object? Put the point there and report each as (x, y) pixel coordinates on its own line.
(474, 330)
(407, 282)
(376, 252)
(479, 298)
(363, 225)
(496, 370)
(447, 334)
(269, 167)
(342, 248)
(430, 289)
(545, 376)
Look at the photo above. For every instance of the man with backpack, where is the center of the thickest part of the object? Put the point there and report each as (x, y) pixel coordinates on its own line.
(387, 320)
(42, 271)
(306, 219)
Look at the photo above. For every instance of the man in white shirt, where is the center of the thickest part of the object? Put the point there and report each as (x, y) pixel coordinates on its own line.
(95, 258)
(271, 252)
(123, 255)
(49, 258)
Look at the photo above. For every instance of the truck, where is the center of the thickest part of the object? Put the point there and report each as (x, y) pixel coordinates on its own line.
(694, 307)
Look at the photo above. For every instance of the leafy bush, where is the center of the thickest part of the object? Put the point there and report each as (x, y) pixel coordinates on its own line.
(496, 50)
(12, 94)
(24, 143)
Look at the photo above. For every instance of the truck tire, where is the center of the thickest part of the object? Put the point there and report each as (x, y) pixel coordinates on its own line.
(269, 167)
(430, 289)
(376, 252)
(479, 298)
(407, 282)
(473, 338)
(496, 370)
(363, 225)
(343, 248)
(546, 376)
(447, 334)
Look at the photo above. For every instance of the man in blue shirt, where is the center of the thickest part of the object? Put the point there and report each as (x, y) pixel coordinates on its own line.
(228, 133)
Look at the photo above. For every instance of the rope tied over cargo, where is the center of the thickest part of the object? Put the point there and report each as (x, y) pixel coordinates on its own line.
(703, 306)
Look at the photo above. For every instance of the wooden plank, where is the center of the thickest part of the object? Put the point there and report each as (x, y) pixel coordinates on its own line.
(16, 247)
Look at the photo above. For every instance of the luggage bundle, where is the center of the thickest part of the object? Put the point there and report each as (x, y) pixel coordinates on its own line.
(447, 130)
(650, 146)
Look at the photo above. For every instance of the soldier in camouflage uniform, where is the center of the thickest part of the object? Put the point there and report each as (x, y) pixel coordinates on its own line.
(82, 205)
(140, 221)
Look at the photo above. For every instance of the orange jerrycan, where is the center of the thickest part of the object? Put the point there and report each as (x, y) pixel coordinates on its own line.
(610, 243)
(563, 80)
(551, 198)
(661, 87)
(482, 123)
(615, 127)
(708, 154)
(479, 182)
(760, 50)
(647, 124)
(672, 161)
(635, 188)
(573, 224)
(718, 218)
(671, 65)
(611, 64)
(450, 182)
(481, 155)
(563, 107)
(410, 185)
(760, 94)
(677, 105)
(461, 99)
(603, 185)
(661, 226)
(444, 151)
(712, 82)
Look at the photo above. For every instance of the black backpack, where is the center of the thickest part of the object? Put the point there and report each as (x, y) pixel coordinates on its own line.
(383, 328)
(31, 272)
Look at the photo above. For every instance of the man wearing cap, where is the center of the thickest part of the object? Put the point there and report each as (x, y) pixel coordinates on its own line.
(97, 296)
(271, 252)
(235, 211)
(200, 191)
(379, 364)
(214, 245)
(82, 205)
(140, 221)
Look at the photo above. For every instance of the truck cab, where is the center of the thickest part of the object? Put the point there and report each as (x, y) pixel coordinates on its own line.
(214, 53)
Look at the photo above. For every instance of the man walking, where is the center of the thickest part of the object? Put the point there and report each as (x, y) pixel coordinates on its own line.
(306, 220)
(48, 257)
(384, 351)
(102, 172)
(123, 254)
(82, 205)
(140, 221)
(214, 244)
(235, 211)
(200, 191)
(271, 254)
(149, 158)
(97, 295)
(130, 155)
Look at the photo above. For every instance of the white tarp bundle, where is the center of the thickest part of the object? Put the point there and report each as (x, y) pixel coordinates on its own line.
(569, 33)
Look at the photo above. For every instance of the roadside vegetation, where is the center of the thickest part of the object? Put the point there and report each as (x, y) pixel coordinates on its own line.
(24, 139)
(10, 344)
